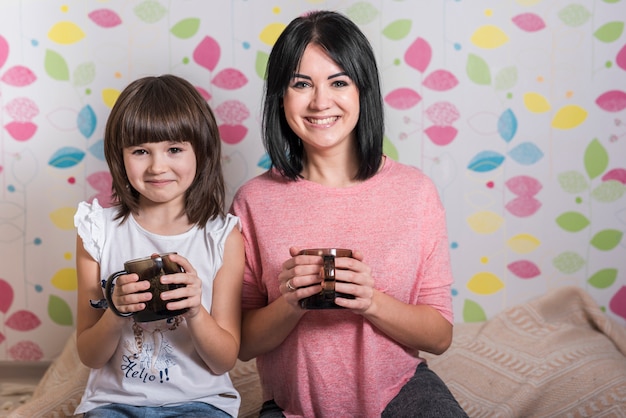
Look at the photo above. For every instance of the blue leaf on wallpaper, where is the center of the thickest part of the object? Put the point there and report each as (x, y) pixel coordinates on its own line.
(97, 149)
(66, 157)
(265, 162)
(526, 153)
(86, 121)
(486, 161)
(507, 125)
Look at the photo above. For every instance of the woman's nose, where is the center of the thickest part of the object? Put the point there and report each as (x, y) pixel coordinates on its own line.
(321, 98)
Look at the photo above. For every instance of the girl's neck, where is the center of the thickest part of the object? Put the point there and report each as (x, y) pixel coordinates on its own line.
(162, 220)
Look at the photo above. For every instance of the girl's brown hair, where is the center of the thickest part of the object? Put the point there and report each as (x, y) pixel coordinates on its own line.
(166, 108)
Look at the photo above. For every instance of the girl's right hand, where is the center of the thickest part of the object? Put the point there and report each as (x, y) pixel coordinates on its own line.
(129, 294)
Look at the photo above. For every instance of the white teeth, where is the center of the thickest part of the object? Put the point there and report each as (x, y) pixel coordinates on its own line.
(324, 121)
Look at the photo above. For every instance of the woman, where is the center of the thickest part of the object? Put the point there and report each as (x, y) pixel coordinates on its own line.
(331, 186)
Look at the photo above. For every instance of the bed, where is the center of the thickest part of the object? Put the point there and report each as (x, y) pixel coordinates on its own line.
(557, 355)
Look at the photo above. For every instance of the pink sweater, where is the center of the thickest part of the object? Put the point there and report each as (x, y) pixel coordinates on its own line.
(335, 363)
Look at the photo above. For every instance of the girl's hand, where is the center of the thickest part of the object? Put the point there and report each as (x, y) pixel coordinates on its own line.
(190, 294)
(130, 293)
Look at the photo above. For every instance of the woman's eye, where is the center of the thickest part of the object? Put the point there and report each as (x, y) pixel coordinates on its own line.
(340, 83)
(300, 84)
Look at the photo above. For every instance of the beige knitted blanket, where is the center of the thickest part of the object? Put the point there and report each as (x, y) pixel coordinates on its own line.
(555, 356)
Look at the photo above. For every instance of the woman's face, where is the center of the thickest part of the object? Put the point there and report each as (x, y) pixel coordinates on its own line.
(321, 103)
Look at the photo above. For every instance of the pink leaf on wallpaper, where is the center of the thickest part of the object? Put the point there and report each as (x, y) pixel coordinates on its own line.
(524, 269)
(617, 305)
(523, 186)
(6, 296)
(207, 53)
(230, 79)
(2, 338)
(232, 134)
(26, 351)
(441, 80)
(442, 113)
(612, 101)
(105, 18)
(205, 94)
(104, 198)
(529, 22)
(23, 320)
(418, 55)
(618, 174)
(100, 181)
(4, 50)
(22, 109)
(523, 206)
(441, 135)
(232, 112)
(21, 131)
(18, 76)
(620, 58)
(402, 98)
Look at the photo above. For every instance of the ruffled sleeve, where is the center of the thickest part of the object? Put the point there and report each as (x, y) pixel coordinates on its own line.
(219, 229)
(89, 222)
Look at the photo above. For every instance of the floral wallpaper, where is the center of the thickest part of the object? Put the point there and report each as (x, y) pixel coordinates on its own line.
(516, 110)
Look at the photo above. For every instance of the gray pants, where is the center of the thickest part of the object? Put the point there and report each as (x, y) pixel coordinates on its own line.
(425, 395)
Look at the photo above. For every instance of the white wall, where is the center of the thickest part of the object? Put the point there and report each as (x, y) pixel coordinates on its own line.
(524, 132)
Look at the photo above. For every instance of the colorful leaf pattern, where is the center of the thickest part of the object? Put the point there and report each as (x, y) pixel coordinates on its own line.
(533, 159)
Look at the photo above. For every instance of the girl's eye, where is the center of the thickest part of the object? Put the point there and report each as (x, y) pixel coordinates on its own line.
(175, 150)
(139, 152)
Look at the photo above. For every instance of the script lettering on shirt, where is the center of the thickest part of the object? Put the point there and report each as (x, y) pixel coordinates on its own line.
(132, 371)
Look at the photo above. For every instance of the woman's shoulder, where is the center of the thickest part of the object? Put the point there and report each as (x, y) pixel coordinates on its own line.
(260, 184)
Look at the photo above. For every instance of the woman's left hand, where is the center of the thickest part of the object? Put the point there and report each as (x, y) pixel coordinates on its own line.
(190, 294)
(354, 277)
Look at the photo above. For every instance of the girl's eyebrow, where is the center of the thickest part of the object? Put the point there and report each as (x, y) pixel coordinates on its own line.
(306, 77)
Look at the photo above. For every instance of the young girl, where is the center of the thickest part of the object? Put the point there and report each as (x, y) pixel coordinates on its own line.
(162, 147)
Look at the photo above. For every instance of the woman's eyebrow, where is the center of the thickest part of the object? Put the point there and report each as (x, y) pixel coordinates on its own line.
(297, 75)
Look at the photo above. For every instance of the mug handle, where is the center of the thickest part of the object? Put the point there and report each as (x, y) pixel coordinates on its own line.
(108, 294)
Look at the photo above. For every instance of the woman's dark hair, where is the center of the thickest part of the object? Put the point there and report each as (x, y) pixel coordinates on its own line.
(166, 108)
(348, 47)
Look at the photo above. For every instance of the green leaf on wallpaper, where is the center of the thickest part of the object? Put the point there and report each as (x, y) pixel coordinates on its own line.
(572, 221)
(261, 64)
(186, 28)
(56, 66)
(505, 79)
(473, 312)
(611, 1)
(609, 191)
(60, 311)
(397, 29)
(568, 262)
(150, 11)
(573, 181)
(609, 32)
(389, 149)
(596, 159)
(603, 279)
(478, 70)
(574, 15)
(362, 12)
(606, 239)
(84, 74)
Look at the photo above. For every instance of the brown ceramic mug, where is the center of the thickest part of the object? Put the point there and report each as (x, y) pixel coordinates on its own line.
(325, 299)
(151, 269)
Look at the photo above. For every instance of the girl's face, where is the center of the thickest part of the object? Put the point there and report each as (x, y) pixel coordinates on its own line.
(161, 171)
(321, 103)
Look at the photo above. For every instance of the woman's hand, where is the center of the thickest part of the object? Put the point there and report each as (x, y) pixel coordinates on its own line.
(354, 277)
(300, 277)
